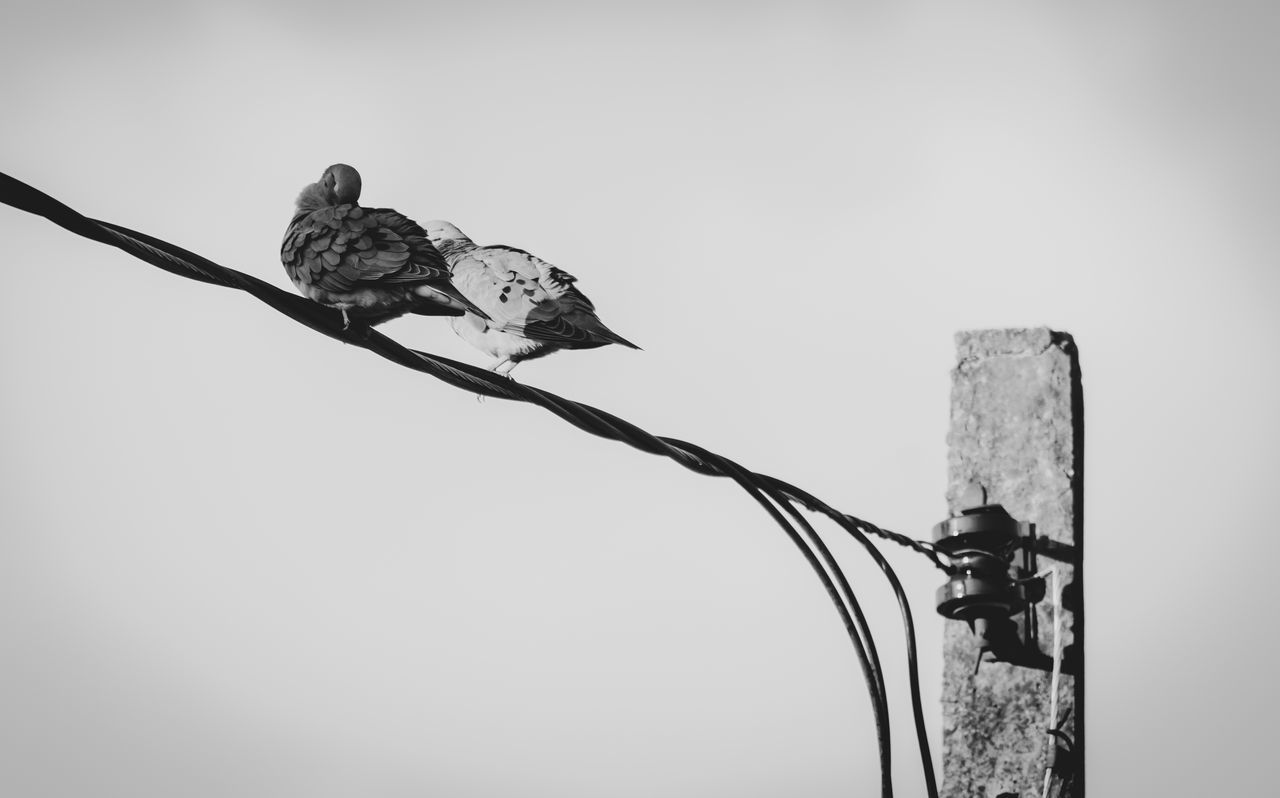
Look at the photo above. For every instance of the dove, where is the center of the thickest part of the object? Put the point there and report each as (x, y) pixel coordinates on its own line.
(373, 264)
(533, 308)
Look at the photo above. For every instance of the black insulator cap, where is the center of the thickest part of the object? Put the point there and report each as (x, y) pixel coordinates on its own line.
(988, 527)
(980, 586)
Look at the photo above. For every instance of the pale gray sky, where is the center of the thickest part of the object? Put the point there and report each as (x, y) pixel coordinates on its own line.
(239, 559)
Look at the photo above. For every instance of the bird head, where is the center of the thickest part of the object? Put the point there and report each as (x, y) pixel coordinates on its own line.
(339, 185)
(343, 181)
(441, 232)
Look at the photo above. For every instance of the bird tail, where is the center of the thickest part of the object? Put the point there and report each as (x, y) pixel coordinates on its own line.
(450, 297)
(432, 309)
(600, 331)
(471, 306)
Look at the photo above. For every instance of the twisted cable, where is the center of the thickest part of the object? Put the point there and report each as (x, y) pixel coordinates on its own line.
(763, 488)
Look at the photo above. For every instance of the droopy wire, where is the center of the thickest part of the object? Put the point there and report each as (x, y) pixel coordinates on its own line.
(845, 601)
(855, 624)
(763, 488)
(855, 529)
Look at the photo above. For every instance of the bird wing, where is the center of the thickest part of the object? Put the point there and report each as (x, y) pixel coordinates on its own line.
(340, 248)
(527, 296)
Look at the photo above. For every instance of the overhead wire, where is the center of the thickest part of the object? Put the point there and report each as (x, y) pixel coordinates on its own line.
(846, 602)
(842, 597)
(855, 527)
(763, 488)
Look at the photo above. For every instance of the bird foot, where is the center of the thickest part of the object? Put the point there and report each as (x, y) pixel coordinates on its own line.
(503, 368)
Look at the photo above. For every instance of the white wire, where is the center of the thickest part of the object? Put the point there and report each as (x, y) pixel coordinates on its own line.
(1056, 591)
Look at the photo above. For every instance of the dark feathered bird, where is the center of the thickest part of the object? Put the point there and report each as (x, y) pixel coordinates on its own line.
(373, 264)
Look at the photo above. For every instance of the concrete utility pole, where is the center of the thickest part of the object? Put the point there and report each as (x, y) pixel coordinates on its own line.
(1017, 435)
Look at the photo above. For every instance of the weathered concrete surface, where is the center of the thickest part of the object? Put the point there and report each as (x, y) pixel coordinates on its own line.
(1017, 430)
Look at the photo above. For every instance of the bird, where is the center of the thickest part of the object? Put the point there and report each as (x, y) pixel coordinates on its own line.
(372, 264)
(532, 307)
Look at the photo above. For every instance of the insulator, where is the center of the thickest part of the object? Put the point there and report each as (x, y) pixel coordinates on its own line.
(982, 585)
(986, 528)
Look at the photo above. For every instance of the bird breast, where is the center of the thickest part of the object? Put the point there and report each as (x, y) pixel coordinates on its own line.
(495, 343)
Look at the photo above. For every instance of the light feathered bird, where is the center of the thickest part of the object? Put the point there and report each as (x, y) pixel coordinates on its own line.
(373, 264)
(533, 308)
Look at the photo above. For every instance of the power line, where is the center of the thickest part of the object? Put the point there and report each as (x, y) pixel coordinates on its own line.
(769, 492)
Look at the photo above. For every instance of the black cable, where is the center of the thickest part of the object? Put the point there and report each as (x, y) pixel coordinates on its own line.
(883, 729)
(329, 322)
(875, 685)
(860, 631)
(845, 601)
(851, 525)
(777, 489)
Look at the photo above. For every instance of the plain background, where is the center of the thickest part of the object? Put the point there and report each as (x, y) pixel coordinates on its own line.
(239, 559)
